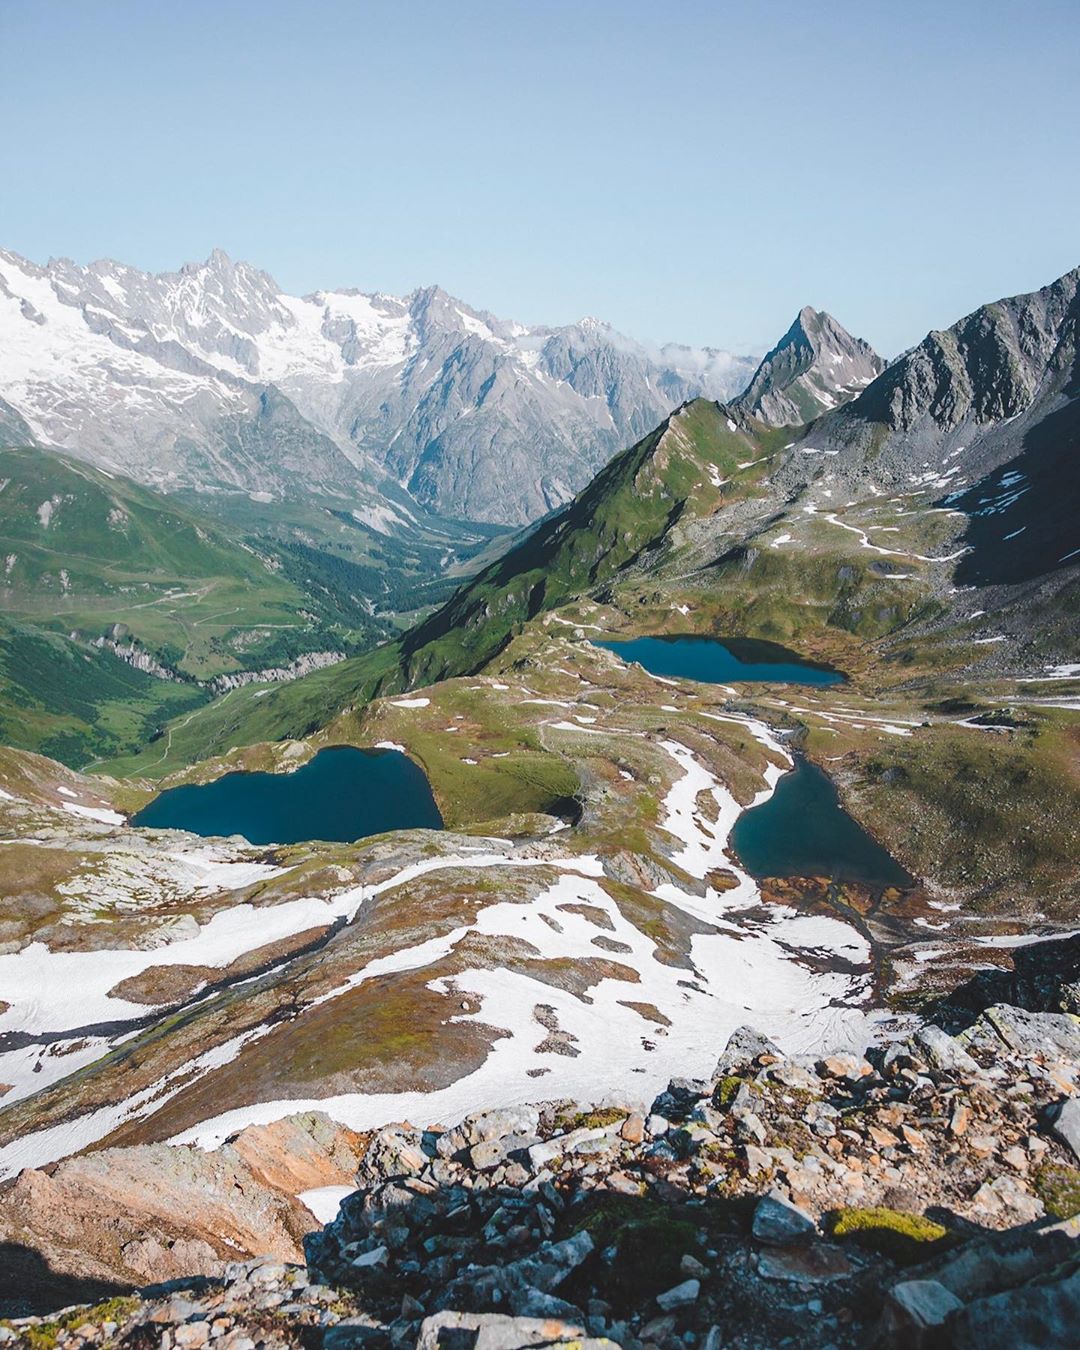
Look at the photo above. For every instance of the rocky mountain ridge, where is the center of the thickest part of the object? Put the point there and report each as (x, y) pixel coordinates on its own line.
(982, 419)
(989, 366)
(212, 377)
(816, 366)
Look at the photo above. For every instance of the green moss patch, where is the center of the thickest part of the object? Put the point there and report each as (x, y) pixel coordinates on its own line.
(1058, 1187)
(649, 1239)
(726, 1091)
(905, 1238)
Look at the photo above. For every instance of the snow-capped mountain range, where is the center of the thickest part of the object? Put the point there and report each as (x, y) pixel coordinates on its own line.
(212, 377)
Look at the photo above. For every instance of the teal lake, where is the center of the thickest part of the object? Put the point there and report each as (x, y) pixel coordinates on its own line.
(803, 831)
(692, 657)
(342, 794)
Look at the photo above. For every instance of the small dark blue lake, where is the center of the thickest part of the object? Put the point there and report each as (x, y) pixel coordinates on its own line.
(342, 794)
(690, 656)
(803, 831)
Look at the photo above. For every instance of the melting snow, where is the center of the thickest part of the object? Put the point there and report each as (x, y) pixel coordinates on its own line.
(325, 1201)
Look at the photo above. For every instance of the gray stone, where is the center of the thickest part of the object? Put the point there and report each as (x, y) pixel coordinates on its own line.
(757, 1160)
(790, 1073)
(982, 1268)
(943, 1052)
(191, 1335)
(780, 1223)
(272, 1272)
(495, 1331)
(377, 1257)
(1055, 1035)
(681, 1296)
(348, 1334)
(583, 1140)
(394, 1152)
(749, 1129)
(1065, 1124)
(537, 1303)
(552, 1262)
(498, 1124)
(912, 1309)
(817, 1263)
(1038, 1316)
(1005, 1193)
(744, 1045)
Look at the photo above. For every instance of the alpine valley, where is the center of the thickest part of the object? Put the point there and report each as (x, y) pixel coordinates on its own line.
(741, 1009)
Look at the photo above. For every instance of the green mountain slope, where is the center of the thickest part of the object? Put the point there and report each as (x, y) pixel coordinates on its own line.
(87, 553)
(77, 703)
(699, 460)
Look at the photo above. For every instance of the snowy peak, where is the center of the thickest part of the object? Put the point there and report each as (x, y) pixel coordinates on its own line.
(164, 375)
(816, 366)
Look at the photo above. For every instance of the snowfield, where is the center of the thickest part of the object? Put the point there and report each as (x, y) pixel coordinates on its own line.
(801, 979)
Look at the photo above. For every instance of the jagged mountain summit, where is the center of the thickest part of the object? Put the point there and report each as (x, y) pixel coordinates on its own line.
(984, 417)
(816, 366)
(212, 377)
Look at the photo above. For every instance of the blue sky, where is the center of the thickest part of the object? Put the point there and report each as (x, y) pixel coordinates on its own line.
(687, 171)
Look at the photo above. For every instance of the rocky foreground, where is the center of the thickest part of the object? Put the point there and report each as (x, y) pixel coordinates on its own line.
(924, 1196)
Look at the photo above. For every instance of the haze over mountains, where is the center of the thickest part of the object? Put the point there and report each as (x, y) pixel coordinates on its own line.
(213, 378)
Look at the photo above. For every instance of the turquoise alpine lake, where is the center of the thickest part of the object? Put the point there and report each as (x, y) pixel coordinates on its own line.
(803, 831)
(690, 656)
(342, 794)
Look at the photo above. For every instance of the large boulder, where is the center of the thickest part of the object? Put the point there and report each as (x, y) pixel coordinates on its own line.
(943, 1052)
(495, 1331)
(744, 1045)
(1051, 1035)
(153, 1212)
(779, 1223)
(1065, 1124)
(1043, 1315)
(913, 1313)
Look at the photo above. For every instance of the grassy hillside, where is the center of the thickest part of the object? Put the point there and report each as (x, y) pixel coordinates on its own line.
(82, 552)
(693, 462)
(76, 703)
(368, 571)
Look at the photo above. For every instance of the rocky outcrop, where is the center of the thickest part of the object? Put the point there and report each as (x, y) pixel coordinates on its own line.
(135, 656)
(817, 365)
(152, 1212)
(987, 367)
(303, 665)
(921, 1197)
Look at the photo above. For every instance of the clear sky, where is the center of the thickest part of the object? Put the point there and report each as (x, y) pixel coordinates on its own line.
(686, 170)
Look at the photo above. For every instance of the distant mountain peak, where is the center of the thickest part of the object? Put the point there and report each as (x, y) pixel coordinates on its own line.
(477, 417)
(816, 366)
